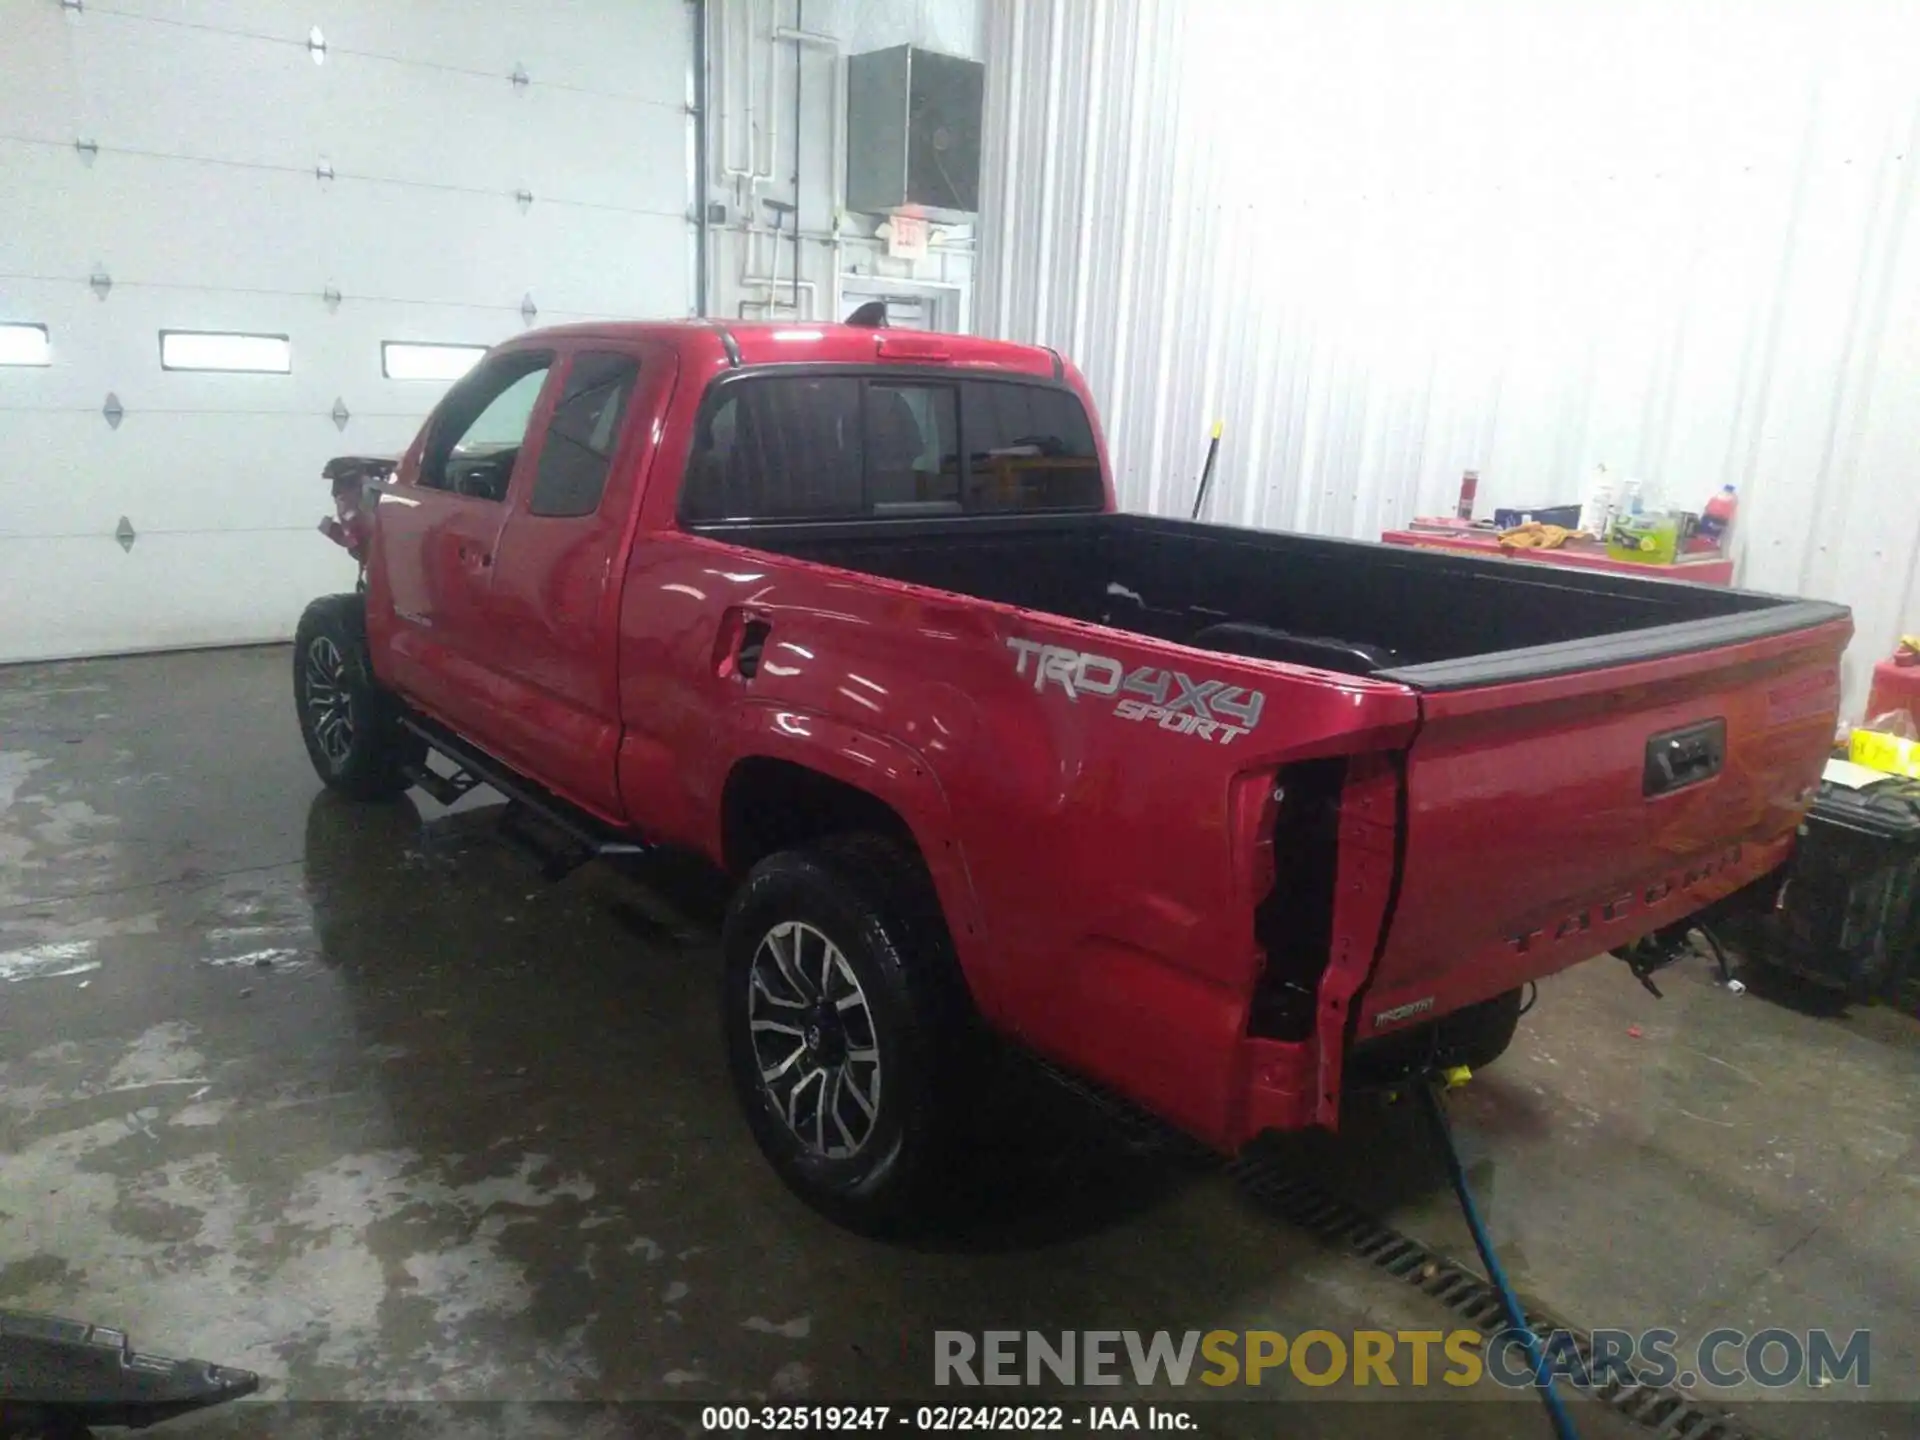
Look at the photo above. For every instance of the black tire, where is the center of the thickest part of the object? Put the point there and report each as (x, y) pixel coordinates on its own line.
(870, 898)
(351, 725)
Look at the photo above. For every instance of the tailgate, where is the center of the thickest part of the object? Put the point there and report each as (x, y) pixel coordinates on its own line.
(1547, 817)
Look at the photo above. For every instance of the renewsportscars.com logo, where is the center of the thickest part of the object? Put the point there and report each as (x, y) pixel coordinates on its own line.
(1772, 1358)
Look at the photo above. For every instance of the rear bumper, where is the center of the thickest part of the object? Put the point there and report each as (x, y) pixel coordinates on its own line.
(1280, 1089)
(1583, 930)
(1176, 1042)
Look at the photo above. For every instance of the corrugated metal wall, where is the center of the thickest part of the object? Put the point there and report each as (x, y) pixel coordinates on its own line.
(1385, 243)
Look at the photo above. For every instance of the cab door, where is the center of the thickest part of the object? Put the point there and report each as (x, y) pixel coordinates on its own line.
(439, 531)
(556, 594)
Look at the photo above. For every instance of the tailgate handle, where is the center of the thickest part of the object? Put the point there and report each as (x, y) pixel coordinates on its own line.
(1679, 758)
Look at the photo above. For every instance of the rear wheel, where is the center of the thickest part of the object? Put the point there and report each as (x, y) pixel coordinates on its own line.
(351, 725)
(846, 1027)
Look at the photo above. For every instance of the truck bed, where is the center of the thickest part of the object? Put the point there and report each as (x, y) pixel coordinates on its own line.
(1490, 771)
(1431, 620)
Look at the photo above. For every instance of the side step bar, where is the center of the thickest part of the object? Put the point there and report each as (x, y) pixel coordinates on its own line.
(576, 837)
(58, 1377)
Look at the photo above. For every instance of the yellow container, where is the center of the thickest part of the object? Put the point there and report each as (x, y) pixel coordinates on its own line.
(1878, 750)
(1644, 539)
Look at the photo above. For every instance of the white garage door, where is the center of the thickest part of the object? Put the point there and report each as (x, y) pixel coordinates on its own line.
(340, 173)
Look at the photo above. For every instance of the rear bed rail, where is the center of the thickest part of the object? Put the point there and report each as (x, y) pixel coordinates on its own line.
(1658, 642)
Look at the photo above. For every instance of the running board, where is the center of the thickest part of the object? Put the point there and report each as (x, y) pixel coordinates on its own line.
(447, 789)
(58, 1377)
(558, 853)
(582, 837)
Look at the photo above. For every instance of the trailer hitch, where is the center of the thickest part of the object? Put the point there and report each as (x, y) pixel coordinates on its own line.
(1647, 957)
(60, 1377)
(1669, 945)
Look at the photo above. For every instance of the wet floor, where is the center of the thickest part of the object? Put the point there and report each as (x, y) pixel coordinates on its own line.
(347, 1096)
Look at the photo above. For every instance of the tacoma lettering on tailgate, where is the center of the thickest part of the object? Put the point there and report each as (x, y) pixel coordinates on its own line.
(1209, 709)
(1594, 919)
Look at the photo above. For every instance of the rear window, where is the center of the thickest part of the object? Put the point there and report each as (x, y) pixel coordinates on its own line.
(1029, 448)
(785, 448)
(836, 446)
(913, 448)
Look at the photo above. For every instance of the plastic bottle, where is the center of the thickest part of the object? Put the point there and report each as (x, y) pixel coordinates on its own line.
(1630, 498)
(1599, 505)
(1716, 521)
(1469, 487)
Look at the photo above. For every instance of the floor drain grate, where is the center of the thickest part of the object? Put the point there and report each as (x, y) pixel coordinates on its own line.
(1661, 1409)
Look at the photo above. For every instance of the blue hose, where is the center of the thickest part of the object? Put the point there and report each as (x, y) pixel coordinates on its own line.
(1516, 1319)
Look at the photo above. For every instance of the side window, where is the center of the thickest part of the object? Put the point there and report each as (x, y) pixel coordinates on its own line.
(478, 431)
(581, 439)
(1029, 448)
(784, 447)
(913, 448)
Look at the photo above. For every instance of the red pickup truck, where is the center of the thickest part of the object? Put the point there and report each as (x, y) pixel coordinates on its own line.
(1226, 821)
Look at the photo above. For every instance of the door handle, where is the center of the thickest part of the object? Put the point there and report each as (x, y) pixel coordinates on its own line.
(753, 640)
(741, 639)
(475, 558)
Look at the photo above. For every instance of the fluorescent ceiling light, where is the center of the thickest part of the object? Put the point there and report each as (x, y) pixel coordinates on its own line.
(409, 360)
(24, 345)
(217, 350)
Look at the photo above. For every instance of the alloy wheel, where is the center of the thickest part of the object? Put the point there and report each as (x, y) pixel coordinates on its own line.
(814, 1043)
(329, 709)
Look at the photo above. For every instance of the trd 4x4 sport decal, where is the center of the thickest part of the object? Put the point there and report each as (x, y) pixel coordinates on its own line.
(1209, 709)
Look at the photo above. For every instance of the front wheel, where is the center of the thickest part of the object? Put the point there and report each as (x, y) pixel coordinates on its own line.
(845, 1027)
(350, 724)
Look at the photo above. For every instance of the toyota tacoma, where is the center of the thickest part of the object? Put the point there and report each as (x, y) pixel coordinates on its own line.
(1227, 822)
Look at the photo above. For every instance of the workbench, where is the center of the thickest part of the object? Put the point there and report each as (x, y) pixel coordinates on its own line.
(1575, 554)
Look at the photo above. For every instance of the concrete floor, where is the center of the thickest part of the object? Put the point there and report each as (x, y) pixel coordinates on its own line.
(347, 1096)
